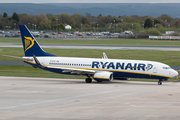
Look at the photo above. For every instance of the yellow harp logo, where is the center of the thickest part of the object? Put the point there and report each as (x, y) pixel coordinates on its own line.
(29, 42)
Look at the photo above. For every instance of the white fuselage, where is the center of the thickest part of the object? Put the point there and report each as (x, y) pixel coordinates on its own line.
(119, 67)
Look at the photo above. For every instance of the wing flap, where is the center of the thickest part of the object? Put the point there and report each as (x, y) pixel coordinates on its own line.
(74, 70)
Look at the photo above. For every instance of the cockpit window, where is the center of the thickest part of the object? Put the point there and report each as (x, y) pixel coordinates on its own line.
(166, 67)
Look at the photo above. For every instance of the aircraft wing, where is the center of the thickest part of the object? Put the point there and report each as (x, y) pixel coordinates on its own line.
(79, 71)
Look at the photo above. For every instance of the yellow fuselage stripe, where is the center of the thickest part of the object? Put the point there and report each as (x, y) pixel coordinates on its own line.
(101, 78)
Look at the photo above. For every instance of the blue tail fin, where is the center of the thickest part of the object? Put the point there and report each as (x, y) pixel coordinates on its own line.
(30, 45)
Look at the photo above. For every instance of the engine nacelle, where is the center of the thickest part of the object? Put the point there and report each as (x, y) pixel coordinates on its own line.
(103, 76)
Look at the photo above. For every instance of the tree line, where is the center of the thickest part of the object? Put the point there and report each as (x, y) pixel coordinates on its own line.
(87, 22)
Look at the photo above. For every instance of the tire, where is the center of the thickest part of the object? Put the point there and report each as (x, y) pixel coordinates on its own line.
(159, 83)
(88, 80)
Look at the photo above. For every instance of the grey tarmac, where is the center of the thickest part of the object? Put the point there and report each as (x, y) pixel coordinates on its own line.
(23, 98)
(108, 47)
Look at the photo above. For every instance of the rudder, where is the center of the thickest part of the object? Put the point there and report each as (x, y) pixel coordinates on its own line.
(30, 45)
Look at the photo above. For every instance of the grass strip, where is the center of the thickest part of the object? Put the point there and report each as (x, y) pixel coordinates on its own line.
(171, 58)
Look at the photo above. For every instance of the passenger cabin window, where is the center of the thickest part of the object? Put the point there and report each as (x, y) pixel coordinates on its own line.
(69, 64)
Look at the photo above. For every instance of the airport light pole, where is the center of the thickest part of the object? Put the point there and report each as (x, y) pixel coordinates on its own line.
(81, 27)
(168, 27)
(114, 25)
(122, 24)
(15, 26)
(116, 28)
(111, 26)
(35, 28)
(32, 26)
(166, 24)
(56, 24)
(97, 27)
(132, 27)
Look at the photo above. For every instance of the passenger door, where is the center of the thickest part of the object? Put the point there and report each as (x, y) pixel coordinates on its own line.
(155, 67)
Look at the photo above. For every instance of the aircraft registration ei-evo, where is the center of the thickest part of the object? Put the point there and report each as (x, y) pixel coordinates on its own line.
(99, 69)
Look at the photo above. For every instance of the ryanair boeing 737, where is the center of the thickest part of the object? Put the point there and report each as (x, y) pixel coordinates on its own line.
(99, 69)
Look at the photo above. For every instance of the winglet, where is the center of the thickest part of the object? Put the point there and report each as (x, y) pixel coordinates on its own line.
(104, 56)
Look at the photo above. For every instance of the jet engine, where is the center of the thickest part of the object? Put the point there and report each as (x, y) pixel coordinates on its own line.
(103, 76)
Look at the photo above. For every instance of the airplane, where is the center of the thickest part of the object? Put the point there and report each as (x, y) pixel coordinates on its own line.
(100, 70)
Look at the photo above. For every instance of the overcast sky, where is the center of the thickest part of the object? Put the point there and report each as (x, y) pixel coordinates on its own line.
(90, 1)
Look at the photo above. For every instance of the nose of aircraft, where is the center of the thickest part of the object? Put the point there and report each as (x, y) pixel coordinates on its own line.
(174, 73)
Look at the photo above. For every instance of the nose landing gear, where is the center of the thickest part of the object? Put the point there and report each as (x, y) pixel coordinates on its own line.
(160, 81)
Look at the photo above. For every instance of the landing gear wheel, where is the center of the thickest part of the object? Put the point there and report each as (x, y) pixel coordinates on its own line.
(159, 83)
(88, 80)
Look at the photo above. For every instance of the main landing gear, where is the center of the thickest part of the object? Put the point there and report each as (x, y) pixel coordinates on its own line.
(88, 80)
(159, 82)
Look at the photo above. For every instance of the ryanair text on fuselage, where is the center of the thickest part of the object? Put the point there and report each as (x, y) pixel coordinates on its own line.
(122, 66)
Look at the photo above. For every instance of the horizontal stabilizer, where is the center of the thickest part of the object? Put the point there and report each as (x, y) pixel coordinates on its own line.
(13, 56)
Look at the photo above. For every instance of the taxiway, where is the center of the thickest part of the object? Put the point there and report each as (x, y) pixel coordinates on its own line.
(23, 98)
